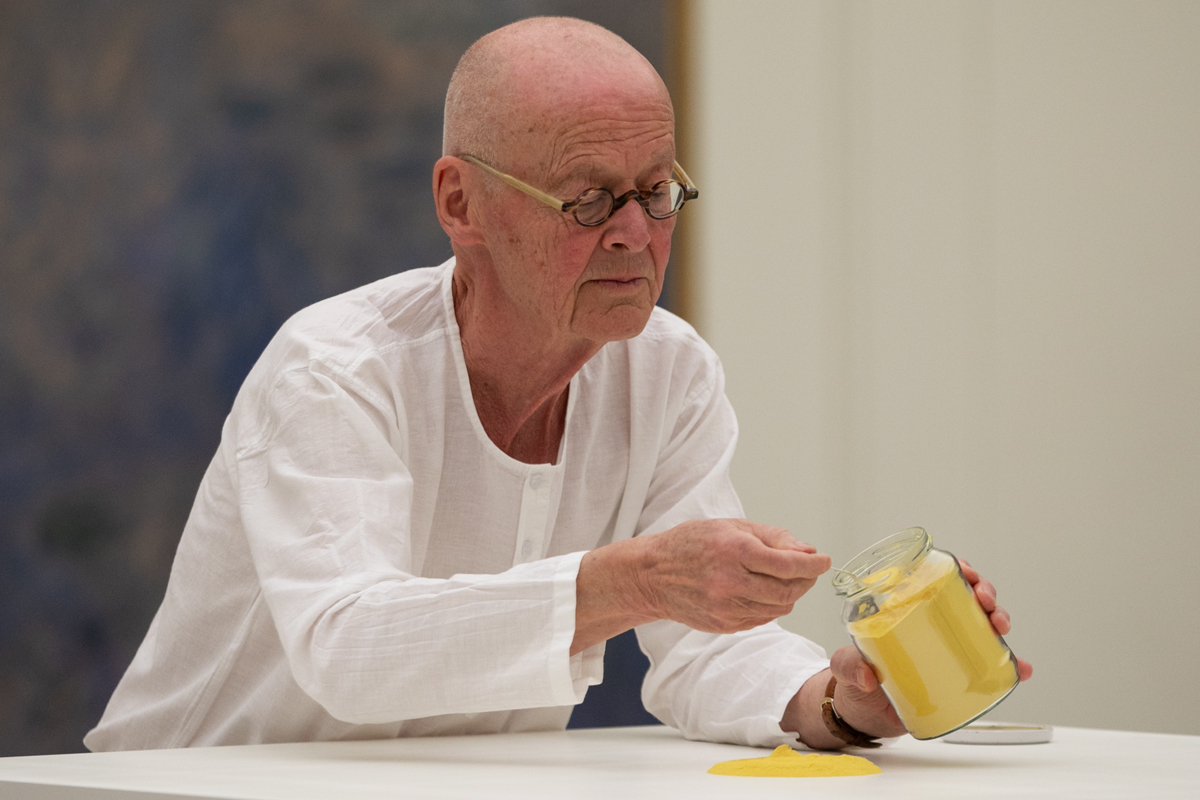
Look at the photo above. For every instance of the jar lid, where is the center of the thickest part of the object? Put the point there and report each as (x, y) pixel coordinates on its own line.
(881, 564)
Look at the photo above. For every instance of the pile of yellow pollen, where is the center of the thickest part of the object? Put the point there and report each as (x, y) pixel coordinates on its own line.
(785, 762)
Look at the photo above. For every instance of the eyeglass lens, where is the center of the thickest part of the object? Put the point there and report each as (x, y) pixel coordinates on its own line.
(596, 205)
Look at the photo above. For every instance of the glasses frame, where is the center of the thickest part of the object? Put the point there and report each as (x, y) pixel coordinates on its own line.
(690, 192)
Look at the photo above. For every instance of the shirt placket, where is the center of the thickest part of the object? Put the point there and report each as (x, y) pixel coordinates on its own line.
(535, 509)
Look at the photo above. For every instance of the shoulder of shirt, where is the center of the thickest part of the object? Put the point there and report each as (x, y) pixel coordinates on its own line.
(348, 337)
(340, 331)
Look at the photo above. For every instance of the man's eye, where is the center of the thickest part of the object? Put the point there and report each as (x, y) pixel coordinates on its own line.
(593, 197)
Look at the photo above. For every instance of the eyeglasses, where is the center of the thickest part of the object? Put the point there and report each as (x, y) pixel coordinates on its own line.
(595, 206)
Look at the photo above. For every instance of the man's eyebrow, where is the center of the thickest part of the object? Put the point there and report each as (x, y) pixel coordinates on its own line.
(585, 172)
(579, 172)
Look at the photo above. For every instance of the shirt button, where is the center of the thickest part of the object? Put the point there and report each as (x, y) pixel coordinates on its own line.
(536, 480)
(526, 549)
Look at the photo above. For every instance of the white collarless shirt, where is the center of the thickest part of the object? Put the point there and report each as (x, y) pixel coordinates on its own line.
(363, 562)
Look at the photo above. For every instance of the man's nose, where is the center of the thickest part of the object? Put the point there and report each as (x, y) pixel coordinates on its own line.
(627, 229)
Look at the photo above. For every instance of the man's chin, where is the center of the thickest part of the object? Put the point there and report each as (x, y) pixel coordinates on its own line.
(622, 321)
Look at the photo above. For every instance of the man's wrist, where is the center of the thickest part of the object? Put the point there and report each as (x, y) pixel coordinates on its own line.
(837, 726)
(627, 567)
(803, 715)
(605, 605)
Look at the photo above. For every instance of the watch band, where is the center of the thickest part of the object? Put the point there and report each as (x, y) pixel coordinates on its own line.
(838, 726)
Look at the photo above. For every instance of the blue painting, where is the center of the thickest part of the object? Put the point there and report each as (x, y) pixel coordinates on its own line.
(176, 179)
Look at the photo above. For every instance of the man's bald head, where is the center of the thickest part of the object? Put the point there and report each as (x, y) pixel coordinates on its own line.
(514, 82)
(565, 106)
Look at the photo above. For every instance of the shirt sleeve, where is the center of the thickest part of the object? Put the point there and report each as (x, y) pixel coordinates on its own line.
(325, 498)
(714, 687)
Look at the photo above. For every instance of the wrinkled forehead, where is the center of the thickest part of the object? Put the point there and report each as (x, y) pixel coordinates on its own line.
(621, 113)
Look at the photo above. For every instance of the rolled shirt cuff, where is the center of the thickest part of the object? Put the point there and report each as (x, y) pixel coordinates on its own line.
(571, 675)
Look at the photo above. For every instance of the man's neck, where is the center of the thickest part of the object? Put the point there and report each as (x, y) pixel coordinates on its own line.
(519, 376)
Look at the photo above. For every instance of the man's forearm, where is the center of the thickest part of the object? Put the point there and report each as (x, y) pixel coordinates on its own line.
(608, 601)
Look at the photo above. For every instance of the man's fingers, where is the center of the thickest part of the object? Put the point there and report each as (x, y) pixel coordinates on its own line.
(866, 679)
(778, 538)
(859, 698)
(777, 557)
(779, 554)
(849, 667)
(769, 590)
(1000, 620)
(985, 593)
(762, 613)
(785, 564)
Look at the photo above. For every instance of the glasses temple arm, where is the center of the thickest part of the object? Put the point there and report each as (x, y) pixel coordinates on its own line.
(691, 192)
(519, 185)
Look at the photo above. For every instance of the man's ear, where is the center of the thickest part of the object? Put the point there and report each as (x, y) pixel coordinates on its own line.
(452, 199)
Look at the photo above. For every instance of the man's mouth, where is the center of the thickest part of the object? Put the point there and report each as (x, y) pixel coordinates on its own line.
(619, 283)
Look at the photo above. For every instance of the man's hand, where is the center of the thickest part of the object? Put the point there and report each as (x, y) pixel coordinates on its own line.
(985, 594)
(727, 575)
(719, 576)
(858, 698)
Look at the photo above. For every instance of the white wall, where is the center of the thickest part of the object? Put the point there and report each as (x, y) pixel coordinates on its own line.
(950, 255)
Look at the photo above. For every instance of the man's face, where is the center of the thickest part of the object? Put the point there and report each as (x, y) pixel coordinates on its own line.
(598, 284)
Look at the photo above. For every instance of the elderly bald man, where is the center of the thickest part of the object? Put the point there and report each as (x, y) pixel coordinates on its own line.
(438, 495)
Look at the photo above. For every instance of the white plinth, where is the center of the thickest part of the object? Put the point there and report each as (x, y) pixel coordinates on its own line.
(612, 764)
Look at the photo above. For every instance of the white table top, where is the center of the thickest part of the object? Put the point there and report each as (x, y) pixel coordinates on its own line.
(612, 764)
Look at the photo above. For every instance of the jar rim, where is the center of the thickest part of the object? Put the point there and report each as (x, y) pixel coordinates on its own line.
(895, 551)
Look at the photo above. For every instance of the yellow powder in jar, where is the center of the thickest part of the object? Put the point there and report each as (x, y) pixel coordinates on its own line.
(785, 762)
(935, 652)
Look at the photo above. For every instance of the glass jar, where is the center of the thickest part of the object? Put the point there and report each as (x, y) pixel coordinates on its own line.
(914, 617)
